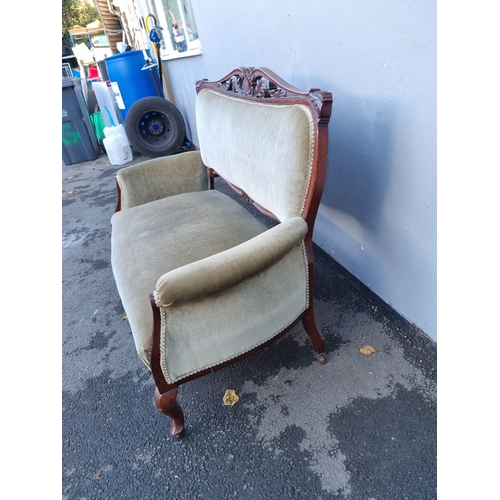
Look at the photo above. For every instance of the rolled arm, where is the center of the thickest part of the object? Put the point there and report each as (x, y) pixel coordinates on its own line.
(221, 271)
(161, 177)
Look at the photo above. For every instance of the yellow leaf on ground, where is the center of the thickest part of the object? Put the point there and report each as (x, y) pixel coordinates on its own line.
(230, 398)
(367, 349)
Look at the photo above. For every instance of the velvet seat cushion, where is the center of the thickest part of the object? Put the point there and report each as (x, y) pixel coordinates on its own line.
(152, 239)
(169, 234)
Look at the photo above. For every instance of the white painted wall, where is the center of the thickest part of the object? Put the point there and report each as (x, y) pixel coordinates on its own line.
(378, 58)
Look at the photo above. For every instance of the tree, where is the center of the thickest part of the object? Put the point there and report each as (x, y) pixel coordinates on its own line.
(76, 12)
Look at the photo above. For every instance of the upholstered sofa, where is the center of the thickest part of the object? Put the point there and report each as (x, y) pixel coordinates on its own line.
(202, 281)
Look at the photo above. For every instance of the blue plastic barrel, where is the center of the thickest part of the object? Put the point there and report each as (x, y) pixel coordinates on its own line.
(129, 81)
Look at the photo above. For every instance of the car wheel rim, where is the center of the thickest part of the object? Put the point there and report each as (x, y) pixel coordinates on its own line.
(155, 128)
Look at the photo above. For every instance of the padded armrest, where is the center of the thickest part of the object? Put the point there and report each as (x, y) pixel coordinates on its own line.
(221, 271)
(162, 177)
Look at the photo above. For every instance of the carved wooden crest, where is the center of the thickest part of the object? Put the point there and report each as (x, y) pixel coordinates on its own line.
(252, 85)
(262, 83)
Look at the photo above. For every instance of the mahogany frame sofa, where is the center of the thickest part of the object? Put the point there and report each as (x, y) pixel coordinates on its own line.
(202, 281)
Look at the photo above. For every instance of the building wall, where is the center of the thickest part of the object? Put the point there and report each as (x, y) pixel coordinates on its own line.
(378, 58)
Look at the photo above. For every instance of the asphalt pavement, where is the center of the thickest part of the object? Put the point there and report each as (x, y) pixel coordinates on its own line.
(360, 427)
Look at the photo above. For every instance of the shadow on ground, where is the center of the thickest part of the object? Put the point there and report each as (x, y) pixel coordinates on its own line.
(359, 427)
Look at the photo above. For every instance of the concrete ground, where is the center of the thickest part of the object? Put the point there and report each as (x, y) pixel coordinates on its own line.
(360, 427)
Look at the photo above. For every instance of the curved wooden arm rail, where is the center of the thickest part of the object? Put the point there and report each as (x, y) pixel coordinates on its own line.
(269, 141)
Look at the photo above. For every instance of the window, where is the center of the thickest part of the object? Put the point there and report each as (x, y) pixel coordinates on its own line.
(180, 34)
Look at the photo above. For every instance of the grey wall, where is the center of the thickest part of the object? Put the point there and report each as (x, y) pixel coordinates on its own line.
(378, 58)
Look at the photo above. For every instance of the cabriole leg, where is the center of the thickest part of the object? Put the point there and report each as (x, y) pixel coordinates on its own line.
(312, 331)
(167, 404)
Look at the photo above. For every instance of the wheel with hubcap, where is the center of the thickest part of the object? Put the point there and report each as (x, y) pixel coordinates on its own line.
(155, 127)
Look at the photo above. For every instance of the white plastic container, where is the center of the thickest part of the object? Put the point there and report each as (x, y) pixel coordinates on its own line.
(117, 145)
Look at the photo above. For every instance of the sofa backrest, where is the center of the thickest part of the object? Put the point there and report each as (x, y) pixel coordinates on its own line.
(265, 150)
(268, 139)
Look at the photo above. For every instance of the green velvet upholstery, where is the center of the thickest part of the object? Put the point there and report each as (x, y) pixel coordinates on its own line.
(223, 282)
(177, 248)
(161, 177)
(152, 239)
(202, 334)
(269, 154)
(228, 268)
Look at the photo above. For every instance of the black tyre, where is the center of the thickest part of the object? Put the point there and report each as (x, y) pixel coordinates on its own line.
(155, 127)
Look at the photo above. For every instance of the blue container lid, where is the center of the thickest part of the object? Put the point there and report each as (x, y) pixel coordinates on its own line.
(127, 54)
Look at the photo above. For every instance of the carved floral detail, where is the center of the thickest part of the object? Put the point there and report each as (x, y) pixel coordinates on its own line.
(316, 97)
(248, 84)
(244, 82)
(199, 83)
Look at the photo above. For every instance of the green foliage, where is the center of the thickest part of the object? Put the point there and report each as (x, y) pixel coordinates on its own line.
(77, 12)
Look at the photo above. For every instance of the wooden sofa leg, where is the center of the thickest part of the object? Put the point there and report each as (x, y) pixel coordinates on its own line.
(167, 404)
(312, 331)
